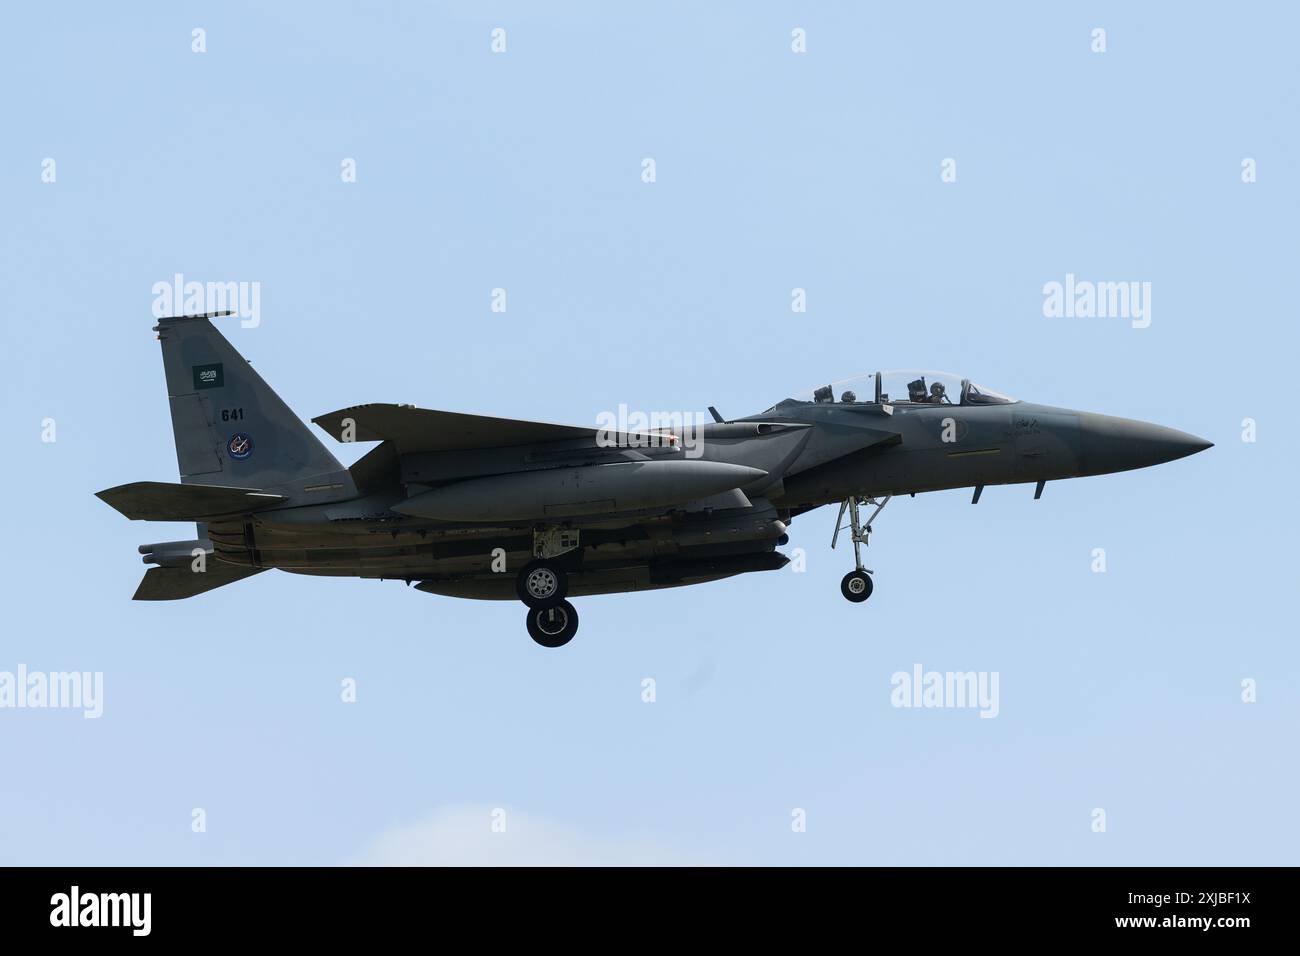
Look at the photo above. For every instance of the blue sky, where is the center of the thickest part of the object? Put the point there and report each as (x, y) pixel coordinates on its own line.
(775, 171)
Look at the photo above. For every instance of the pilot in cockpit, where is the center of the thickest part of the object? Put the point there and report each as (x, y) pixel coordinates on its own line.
(939, 394)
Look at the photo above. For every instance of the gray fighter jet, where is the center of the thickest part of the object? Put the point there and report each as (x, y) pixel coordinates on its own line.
(496, 508)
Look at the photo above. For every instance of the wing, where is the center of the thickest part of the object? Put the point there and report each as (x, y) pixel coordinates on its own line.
(415, 430)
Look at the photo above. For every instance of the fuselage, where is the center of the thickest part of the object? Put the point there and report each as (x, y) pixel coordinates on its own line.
(807, 454)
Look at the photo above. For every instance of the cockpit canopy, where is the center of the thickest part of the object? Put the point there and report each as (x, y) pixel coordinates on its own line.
(905, 387)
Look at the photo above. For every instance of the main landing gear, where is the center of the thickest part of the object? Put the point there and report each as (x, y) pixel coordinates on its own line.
(857, 585)
(542, 584)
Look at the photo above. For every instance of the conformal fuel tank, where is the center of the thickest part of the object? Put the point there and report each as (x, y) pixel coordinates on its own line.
(592, 489)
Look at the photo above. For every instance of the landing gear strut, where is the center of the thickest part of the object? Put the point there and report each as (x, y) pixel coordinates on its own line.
(857, 586)
(542, 584)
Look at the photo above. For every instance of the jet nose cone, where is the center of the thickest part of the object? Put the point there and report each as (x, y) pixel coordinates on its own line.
(1120, 444)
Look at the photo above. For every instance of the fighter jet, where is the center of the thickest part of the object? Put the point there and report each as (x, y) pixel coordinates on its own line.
(505, 509)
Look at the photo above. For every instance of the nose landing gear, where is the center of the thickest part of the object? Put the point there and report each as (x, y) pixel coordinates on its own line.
(856, 585)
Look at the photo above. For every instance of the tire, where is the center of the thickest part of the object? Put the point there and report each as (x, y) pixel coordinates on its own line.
(856, 586)
(541, 584)
(553, 626)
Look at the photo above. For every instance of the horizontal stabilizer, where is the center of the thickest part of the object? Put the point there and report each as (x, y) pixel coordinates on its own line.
(172, 584)
(162, 501)
(415, 430)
